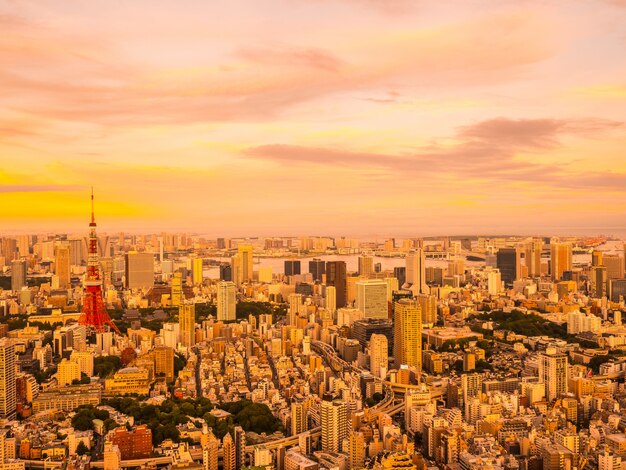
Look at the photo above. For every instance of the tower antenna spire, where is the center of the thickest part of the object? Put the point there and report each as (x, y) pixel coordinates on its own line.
(94, 314)
(93, 217)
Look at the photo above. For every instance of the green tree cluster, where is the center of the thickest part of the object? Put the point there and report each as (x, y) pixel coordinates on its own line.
(523, 324)
(83, 419)
(163, 419)
(103, 366)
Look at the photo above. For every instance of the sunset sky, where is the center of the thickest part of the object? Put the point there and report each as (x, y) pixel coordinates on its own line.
(356, 117)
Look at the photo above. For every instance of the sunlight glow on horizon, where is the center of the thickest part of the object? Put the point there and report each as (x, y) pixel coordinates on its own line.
(280, 117)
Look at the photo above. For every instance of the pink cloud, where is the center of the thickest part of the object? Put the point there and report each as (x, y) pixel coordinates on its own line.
(485, 150)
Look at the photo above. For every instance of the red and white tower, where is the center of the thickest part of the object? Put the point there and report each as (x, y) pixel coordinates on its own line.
(94, 314)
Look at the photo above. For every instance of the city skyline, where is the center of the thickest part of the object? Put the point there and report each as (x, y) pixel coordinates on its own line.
(315, 117)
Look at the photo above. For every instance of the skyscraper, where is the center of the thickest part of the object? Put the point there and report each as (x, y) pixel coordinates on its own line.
(226, 301)
(197, 271)
(334, 424)
(507, 263)
(532, 257)
(139, 270)
(372, 298)
(62, 264)
(399, 272)
(614, 266)
(226, 272)
(356, 452)
(366, 265)
(379, 357)
(187, 321)
(560, 259)
(416, 271)
(19, 269)
(245, 263)
(428, 304)
(553, 371)
(8, 394)
(292, 267)
(178, 295)
(299, 417)
(599, 281)
(408, 333)
(230, 453)
(317, 268)
(336, 276)
(240, 447)
(210, 452)
(596, 258)
(331, 299)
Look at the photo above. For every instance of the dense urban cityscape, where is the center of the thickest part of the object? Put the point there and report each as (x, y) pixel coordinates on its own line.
(313, 235)
(179, 351)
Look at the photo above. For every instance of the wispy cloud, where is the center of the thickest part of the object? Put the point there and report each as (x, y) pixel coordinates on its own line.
(486, 150)
(38, 188)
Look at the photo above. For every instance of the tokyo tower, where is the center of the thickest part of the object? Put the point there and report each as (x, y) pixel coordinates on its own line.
(94, 314)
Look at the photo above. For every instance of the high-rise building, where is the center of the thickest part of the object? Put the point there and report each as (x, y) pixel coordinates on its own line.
(596, 258)
(599, 281)
(226, 301)
(614, 267)
(85, 361)
(336, 276)
(416, 271)
(532, 257)
(331, 299)
(379, 355)
(8, 392)
(609, 461)
(399, 272)
(262, 457)
(299, 417)
(372, 298)
(19, 268)
(494, 282)
(67, 372)
(617, 289)
(240, 446)
(560, 259)
(408, 333)
(133, 444)
(178, 294)
(210, 452)
(362, 331)
(187, 322)
(508, 263)
(62, 264)
(8, 249)
(77, 250)
(139, 270)
(164, 362)
(226, 272)
(553, 371)
(230, 453)
(366, 265)
(197, 271)
(428, 303)
(244, 262)
(264, 274)
(334, 417)
(317, 268)
(292, 267)
(356, 451)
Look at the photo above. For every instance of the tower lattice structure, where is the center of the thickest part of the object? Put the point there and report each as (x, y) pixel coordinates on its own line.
(94, 314)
